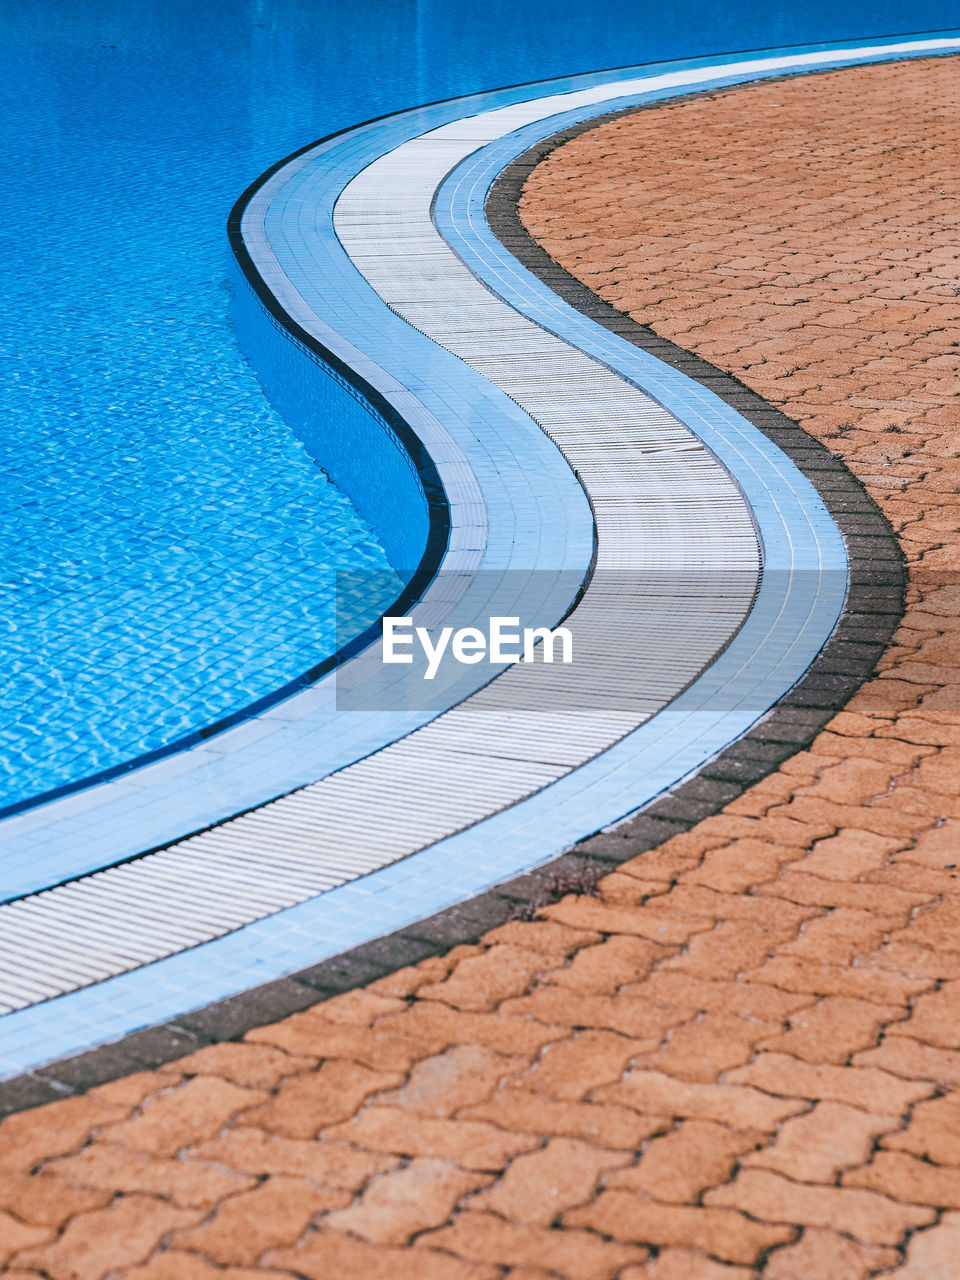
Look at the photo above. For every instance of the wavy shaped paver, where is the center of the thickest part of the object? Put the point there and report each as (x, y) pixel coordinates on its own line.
(739, 1059)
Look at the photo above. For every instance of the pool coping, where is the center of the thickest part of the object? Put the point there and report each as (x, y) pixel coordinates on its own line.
(869, 618)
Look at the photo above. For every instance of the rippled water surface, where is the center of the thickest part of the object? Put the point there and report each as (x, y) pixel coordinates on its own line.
(167, 548)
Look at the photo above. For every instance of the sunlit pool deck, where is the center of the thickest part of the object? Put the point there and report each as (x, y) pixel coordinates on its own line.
(665, 356)
(571, 468)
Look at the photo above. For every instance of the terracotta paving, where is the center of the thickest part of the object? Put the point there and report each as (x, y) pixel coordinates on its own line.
(741, 1058)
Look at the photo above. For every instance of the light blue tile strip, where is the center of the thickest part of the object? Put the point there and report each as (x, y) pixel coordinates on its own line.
(804, 567)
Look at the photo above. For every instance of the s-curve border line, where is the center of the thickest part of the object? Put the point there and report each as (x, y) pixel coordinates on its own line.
(475, 915)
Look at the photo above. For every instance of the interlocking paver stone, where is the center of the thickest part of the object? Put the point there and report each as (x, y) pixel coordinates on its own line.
(174, 1264)
(46, 1201)
(402, 1203)
(932, 1255)
(681, 1164)
(92, 1244)
(257, 1151)
(904, 1177)
(581, 1255)
(538, 1186)
(329, 1253)
(820, 1252)
(724, 1233)
(686, 1264)
(30, 1137)
(816, 1146)
(16, 1236)
(113, 1168)
(868, 1217)
(570, 1069)
(308, 1103)
(276, 1212)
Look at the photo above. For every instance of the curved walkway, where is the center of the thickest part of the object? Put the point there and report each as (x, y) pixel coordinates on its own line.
(738, 1060)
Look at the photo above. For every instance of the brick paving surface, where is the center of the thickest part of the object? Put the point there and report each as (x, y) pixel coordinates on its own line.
(741, 1058)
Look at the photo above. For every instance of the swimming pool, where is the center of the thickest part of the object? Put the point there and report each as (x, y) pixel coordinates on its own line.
(168, 546)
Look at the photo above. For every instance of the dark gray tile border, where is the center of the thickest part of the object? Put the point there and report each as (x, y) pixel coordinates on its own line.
(138, 1052)
(871, 615)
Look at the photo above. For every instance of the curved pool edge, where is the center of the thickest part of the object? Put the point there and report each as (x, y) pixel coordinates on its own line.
(392, 516)
(391, 503)
(384, 888)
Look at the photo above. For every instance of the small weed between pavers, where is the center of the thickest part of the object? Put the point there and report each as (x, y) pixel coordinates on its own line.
(581, 880)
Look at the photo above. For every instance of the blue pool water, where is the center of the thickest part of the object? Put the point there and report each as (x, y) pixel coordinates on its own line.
(167, 547)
